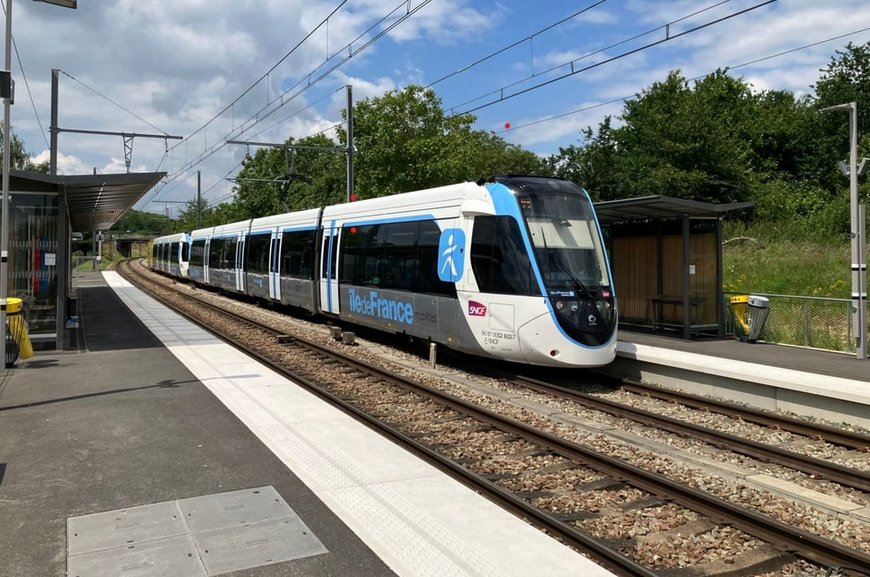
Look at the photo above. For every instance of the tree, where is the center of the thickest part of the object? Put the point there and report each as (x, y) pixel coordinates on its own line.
(141, 222)
(597, 166)
(195, 214)
(19, 160)
(845, 79)
(278, 180)
(404, 141)
(688, 142)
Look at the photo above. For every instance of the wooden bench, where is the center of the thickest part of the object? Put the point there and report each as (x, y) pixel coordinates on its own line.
(658, 302)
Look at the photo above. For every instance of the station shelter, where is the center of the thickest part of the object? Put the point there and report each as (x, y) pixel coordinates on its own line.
(666, 258)
(44, 211)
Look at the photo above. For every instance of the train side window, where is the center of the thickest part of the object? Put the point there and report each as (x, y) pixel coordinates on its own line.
(185, 252)
(215, 253)
(499, 259)
(231, 247)
(197, 252)
(274, 255)
(257, 248)
(401, 263)
(297, 254)
(353, 245)
(329, 244)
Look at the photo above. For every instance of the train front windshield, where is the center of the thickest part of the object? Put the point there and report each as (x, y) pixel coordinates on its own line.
(569, 254)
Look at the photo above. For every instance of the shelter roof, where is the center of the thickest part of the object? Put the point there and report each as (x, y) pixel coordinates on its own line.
(661, 207)
(94, 202)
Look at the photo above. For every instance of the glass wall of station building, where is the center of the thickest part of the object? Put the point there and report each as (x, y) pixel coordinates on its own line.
(33, 254)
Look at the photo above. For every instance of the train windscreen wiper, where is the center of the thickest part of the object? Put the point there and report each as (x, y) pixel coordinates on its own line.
(555, 258)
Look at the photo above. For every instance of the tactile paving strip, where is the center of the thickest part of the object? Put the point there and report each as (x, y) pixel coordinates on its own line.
(207, 535)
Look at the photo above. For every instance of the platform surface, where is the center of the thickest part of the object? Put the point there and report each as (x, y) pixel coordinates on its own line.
(153, 411)
(826, 374)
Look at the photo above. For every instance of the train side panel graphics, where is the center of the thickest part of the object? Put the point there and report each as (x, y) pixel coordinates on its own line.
(512, 269)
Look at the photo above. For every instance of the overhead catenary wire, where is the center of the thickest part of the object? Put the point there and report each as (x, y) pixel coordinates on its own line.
(265, 74)
(556, 24)
(501, 96)
(504, 49)
(305, 84)
(516, 127)
(107, 99)
(551, 118)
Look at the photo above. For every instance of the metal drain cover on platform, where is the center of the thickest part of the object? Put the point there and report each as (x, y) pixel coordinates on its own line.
(207, 535)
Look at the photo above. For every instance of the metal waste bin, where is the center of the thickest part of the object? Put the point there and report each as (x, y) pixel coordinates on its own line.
(759, 309)
(739, 308)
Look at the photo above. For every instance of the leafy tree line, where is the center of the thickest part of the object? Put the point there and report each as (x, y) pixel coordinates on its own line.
(714, 140)
(403, 141)
(719, 141)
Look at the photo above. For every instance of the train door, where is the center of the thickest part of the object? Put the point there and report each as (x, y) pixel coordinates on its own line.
(240, 264)
(274, 267)
(329, 269)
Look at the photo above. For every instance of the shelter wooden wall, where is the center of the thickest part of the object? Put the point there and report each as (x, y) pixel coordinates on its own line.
(635, 273)
(636, 261)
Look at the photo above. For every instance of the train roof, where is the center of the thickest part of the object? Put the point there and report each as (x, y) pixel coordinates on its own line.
(290, 219)
(395, 205)
(177, 237)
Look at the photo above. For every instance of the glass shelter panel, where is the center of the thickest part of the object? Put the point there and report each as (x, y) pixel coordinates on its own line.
(33, 259)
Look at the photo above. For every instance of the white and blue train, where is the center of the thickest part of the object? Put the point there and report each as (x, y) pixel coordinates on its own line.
(171, 254)
(513, 268)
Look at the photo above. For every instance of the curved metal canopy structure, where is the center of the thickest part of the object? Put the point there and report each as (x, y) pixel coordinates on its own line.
(94, 202)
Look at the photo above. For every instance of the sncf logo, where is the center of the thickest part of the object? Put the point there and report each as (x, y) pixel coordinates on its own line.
(476, 309)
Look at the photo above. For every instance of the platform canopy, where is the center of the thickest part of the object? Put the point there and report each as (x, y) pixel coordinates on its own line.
(661, 207)
(94, 202)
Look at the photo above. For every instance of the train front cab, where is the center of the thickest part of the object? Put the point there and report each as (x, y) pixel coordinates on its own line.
(170, 254)
(543, 245)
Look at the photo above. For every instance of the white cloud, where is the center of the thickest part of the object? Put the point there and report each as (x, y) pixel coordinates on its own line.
(179, 64)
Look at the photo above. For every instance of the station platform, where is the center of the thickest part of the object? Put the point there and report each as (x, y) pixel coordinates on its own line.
(155, 449)
(808, 382)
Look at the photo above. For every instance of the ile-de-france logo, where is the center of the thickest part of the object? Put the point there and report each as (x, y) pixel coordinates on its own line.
(451, 257)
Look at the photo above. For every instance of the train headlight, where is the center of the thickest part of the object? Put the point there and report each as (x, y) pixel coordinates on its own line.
(605, 310)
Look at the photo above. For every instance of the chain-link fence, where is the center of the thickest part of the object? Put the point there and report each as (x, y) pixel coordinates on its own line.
(817, 322)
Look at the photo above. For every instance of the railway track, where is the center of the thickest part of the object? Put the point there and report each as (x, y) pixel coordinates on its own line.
(433, 424)
(851, 440)
(761, 451)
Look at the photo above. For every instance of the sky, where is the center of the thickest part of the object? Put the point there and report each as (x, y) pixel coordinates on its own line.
(536, 73)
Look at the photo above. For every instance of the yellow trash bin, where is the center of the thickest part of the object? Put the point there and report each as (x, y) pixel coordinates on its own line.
(18, 328)
(740, 308)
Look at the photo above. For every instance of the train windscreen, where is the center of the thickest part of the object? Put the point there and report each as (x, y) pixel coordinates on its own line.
(567, 244)
(571, 259)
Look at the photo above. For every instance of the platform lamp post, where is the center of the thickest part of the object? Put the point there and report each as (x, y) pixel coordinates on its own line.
(7, 90)
(859, 263)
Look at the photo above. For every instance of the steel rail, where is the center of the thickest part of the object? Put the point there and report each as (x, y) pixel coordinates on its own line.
(607, 556)
(847, 476)
(780, 535)
(819, 431)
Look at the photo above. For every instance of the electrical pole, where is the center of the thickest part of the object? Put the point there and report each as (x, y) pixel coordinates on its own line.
(198, 200)
(859, 264)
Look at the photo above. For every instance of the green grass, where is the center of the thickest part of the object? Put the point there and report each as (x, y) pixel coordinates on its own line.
(783, 266)
(756, 259)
